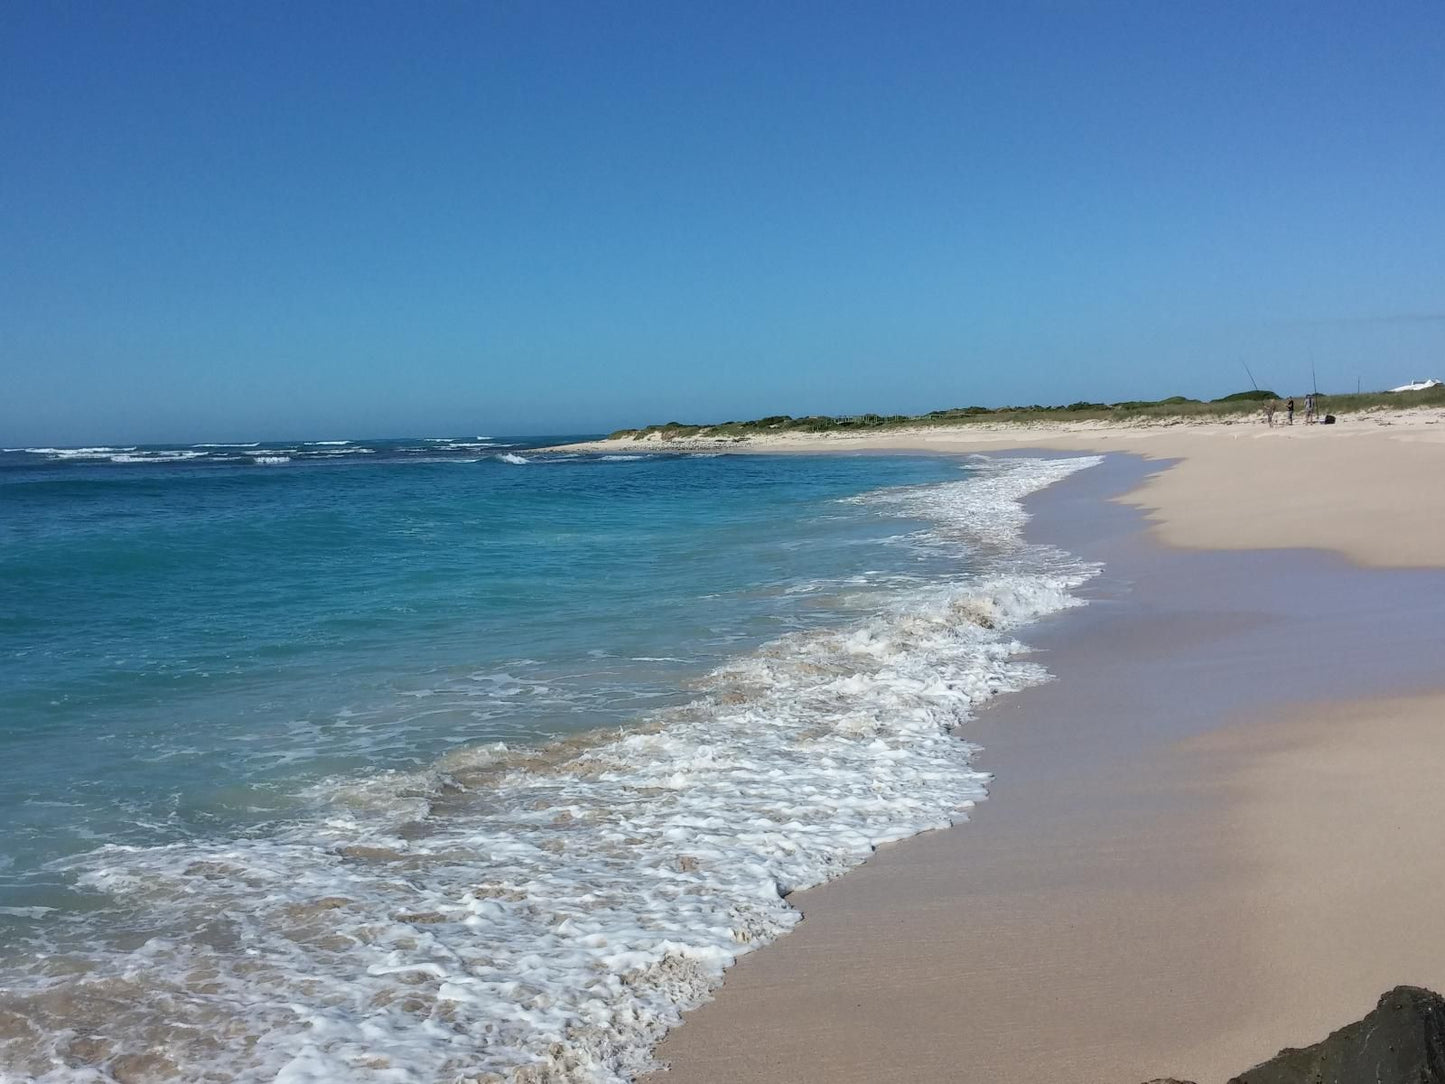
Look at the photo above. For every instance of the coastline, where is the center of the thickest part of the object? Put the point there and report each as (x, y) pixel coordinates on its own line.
(1189, 827)
(1361, 487)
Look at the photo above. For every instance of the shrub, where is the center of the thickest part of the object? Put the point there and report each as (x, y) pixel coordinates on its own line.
(1256, 396)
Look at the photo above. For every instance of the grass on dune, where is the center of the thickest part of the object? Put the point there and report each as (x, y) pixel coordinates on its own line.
(1175, 407)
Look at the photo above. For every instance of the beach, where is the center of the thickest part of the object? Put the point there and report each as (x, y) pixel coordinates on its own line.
(512, 790)
(1360, 486)
(970, 663)
(1214, 835)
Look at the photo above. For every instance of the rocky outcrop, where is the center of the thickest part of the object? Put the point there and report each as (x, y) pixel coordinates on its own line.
(1401, 1042)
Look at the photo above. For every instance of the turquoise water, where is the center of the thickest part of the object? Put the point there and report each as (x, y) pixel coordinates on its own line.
(420, 760)
(184, 642)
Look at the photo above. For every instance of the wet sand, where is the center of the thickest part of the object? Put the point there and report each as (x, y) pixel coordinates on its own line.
(1214, 835)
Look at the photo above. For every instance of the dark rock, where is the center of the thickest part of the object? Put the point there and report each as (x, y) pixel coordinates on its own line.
(1401, 1042)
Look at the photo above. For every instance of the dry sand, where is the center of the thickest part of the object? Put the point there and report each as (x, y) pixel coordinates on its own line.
(1217, 834)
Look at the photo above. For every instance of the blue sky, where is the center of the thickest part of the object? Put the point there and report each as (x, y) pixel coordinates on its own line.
(281, 220)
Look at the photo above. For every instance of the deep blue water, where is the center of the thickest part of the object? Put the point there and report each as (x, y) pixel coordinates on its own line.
(190, 636)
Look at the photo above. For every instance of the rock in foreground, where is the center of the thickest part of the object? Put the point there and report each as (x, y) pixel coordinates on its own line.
(1401, 1042)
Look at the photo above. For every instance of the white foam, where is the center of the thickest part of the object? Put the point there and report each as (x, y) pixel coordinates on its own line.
(512, 457)
(99, 452)
(621, 458)
(157, 457)
(327, 443)
(270, 460)
(553, 914)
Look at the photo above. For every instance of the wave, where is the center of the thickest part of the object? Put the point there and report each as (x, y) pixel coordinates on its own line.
(621, 458)
(512, 457)
(157, 457)
(98, 452)
(549, 914)
(270, 460)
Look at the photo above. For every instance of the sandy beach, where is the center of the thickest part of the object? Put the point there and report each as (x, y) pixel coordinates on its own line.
(1362, 486)
(1213, 836)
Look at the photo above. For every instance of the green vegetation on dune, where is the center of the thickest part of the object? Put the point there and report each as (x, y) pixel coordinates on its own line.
(1253, 396)
(1175, 407)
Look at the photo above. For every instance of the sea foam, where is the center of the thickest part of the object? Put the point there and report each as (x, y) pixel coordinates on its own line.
(546, 915)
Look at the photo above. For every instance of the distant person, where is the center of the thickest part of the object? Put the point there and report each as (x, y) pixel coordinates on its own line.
(1310, 409)
(1269, 408)
(1289, 410)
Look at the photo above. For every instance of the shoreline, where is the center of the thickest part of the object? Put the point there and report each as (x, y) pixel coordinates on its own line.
(1236, 485)
(1155, 875)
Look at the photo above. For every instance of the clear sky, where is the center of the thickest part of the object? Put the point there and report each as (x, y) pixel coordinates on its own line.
(249, 219)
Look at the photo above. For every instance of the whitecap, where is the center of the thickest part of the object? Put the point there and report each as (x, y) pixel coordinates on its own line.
(98, 452)
(157, 457)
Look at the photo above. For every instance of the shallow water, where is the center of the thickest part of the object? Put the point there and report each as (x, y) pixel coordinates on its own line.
(426, 760)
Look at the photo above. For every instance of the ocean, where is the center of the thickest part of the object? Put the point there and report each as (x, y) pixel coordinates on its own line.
(453, 759)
